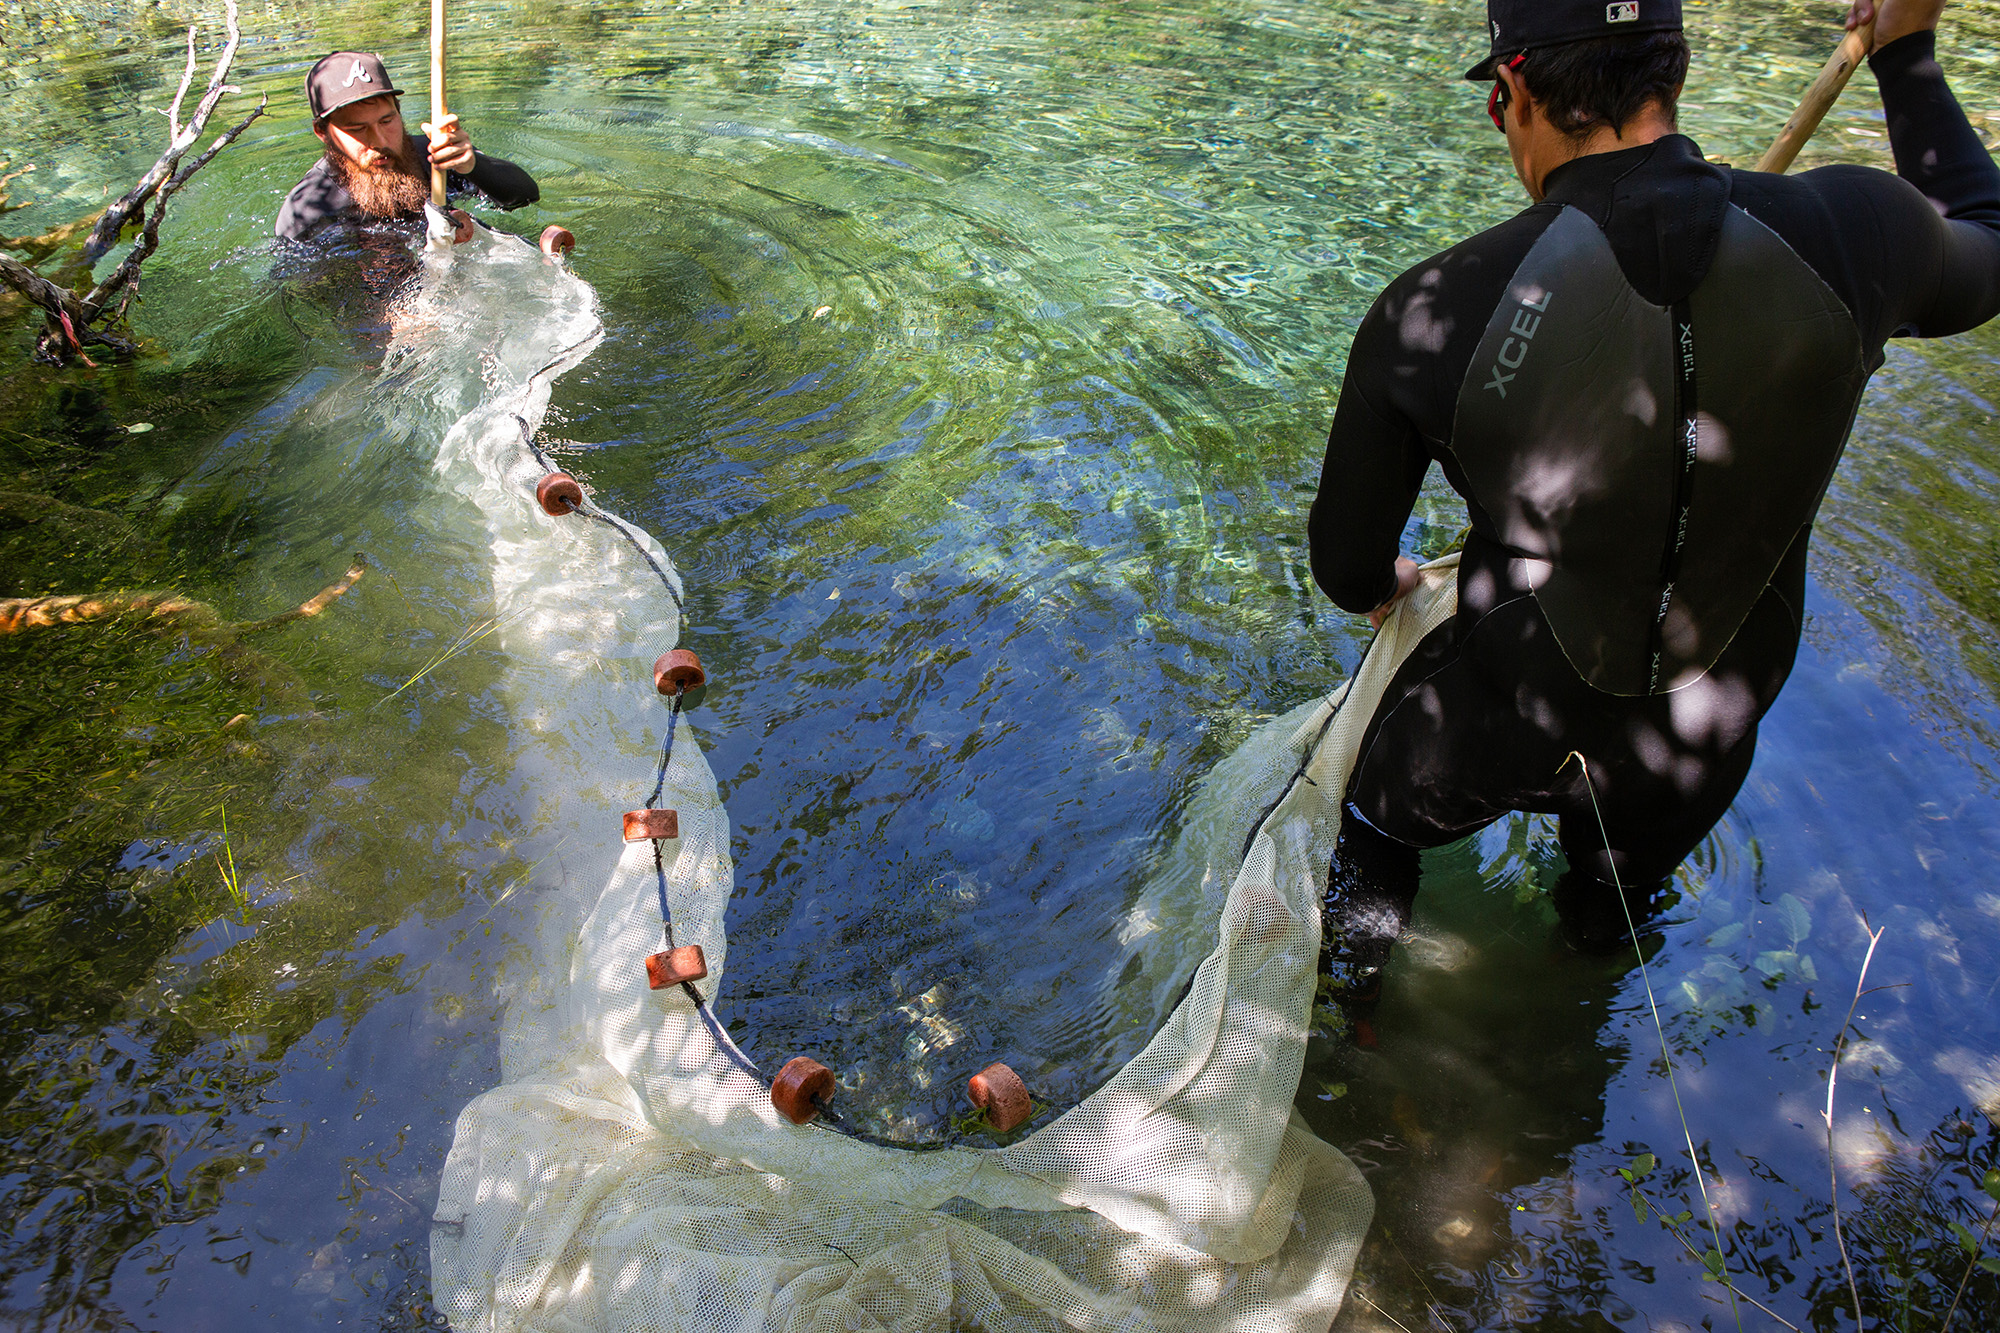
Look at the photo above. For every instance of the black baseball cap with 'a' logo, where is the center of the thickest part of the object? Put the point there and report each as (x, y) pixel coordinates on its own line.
(1527, 25)
(343, 77)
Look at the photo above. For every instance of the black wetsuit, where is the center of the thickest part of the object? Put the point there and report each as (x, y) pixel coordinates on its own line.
(1640, 385)
(320, 199)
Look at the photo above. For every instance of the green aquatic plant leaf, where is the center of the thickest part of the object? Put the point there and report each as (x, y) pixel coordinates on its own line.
(1966, 1240)
(1991, 1184)
(1642, 1166)
(1726, 936)
(1795, 918)
(1774, 963)
(1638, 1205)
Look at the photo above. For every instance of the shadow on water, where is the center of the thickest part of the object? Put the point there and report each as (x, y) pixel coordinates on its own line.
(973, 363)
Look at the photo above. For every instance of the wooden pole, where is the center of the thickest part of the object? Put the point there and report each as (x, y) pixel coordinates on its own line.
(437, 92)
(1819, 98)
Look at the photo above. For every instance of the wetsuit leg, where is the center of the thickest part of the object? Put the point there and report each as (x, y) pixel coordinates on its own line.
(1648, 838)
(1369, 893)
(1404, 794)
(1483, 718)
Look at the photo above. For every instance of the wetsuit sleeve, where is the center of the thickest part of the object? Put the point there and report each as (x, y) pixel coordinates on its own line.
(312, 203)
(1938, 153)
(501, 181)
(1375, 463)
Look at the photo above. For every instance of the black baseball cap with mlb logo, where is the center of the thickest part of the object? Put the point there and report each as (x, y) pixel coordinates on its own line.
(344, 77)
(1527, 25)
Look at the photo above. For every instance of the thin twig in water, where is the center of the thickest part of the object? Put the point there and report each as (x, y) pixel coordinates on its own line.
(1832, 1078)
(1379, 1310)
(467, 637)
(1431, 1306)
(1720, 1267)
(1971, 1262)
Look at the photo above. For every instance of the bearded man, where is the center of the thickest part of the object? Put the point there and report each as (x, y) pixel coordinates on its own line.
(372, 167)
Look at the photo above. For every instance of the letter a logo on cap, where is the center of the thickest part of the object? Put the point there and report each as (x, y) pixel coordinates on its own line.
(1626, 11)
(359, 73)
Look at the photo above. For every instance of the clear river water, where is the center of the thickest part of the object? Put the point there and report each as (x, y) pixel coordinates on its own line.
(973, 361)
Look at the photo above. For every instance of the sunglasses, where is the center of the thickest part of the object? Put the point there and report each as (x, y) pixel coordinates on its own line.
(1496, 101)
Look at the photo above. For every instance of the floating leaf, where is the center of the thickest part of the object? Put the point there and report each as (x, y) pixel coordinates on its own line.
(1774, 963)
(1727, 936)
(1796, 919)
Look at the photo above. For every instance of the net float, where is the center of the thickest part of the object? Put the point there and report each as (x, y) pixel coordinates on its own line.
(557, 241)
(645, 825)
(799, 1087)
(466, 226)
(558, 494)
(671, 967)
(999, 1091)
(677, 671)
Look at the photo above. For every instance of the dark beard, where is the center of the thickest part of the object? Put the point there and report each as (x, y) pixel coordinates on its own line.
(393, 190)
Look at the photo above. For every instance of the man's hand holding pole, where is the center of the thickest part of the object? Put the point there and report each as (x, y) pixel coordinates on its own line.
(1893, 18)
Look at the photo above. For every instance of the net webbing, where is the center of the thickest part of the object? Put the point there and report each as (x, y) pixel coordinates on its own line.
(630, 1172)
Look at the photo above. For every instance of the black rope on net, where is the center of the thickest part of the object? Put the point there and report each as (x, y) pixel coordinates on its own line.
(618, 525)
(723, 1042)
(565, 354)
(829, 1116)
(659, 857)
(609, 520)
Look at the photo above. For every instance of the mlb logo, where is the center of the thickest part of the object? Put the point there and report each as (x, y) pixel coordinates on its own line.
(1627, 11)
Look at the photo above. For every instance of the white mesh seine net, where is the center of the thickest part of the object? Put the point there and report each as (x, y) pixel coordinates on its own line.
(631, 1173)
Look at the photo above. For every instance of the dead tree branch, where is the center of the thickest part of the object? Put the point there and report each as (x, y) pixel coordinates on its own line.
(313, 605)
(182, 138)
(127, 272)
(71, 316)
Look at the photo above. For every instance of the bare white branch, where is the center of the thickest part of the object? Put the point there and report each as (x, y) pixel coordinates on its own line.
(187, 78)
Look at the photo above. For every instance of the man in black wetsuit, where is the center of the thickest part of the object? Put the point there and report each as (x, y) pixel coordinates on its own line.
(1640, 385)
(373, 168)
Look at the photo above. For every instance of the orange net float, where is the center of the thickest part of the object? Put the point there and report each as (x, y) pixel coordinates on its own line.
(558, 494)
(645, 825)
(466, 226)
(801, 1084)
(677, 671)
(671, 967)
(557, 241)
(999, 1091)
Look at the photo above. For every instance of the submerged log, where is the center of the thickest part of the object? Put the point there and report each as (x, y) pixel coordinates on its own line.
(161, 610)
